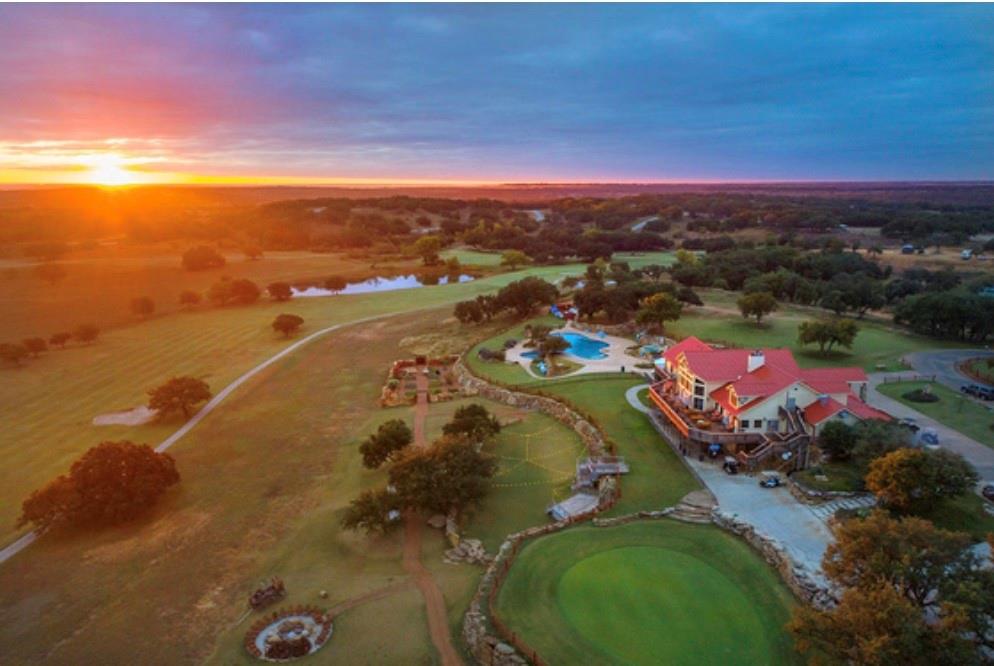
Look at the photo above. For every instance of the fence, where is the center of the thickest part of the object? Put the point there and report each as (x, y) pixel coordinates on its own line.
(910, 377)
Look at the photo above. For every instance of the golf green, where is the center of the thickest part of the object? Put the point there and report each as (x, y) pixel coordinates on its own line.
(645, 596)
(648, 592)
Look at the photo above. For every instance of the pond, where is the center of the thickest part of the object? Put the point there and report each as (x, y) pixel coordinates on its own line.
(380, 284)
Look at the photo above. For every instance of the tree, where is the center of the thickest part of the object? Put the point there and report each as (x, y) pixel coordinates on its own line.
(12, 353)
(142, 306)
(452, 474)
(280, 291)
(373, 511)
(388, 439)
(86, 333)
(474, 422)
(287, 324)
(552, 345)
(35, 346)
(658, 309)
(892, 571)
(233, 292)
(523, 296)
(60, 339)
(688, 296)
(202, 257)
(875, 627)
(514, 258)
(838, 440)
(252, 252)
(469, 312)
(50, 273)
(189, 299)
(915, 480)
(113, 482)
(428, 248)
(827, 334)
(179, 394)
(910, 554)
(757, 305)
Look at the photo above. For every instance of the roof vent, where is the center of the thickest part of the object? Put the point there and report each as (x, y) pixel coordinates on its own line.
(757, 360)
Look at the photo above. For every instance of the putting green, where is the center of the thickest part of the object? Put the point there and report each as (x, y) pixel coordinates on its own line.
(653, 592)
(645, 596)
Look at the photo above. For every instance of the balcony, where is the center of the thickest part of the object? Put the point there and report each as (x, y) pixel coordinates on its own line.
(694, 424)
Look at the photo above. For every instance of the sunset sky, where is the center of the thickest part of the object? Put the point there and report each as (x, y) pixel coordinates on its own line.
(379, 93)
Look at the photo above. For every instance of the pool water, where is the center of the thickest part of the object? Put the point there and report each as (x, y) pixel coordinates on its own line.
(579, 345)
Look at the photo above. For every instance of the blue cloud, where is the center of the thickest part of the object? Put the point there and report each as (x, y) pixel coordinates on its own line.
(519, 92)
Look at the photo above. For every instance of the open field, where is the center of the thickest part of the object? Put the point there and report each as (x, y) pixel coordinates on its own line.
(265, 481)
(99, 290)
(953, 409)
(49, 402)
(647, 593)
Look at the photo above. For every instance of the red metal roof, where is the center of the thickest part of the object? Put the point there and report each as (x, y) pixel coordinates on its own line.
(832, 380)
(819, 410)
(687, 344)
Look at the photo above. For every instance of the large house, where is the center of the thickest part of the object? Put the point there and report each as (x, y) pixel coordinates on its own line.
(743, 399)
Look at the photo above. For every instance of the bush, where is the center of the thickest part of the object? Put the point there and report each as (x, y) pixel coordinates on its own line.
(921, 395)
(112, 483)
(492, 355)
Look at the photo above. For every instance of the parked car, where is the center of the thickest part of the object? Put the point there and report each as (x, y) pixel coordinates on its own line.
(985, 393)
(910, 424)
(988, 492)
(966, 255)
(928, 438)
(970, 389)
(769, 479)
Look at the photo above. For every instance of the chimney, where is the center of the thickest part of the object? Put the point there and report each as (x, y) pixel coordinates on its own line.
(823, 399)
(756, 360)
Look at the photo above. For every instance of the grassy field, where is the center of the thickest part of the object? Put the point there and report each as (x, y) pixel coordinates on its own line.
(953, 409)
(877, 346)
(49, 402)
(647, 593)
(658, 478)
(264, 484)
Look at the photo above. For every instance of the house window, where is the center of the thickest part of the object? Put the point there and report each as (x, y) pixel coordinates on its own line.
(698, 403)
(758, 423)
(698, 388)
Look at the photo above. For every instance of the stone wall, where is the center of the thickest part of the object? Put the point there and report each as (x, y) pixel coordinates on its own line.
(473, 385)
(798, 578)
(812, 496)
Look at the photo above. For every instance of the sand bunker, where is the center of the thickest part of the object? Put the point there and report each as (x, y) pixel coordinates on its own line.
(130, 417)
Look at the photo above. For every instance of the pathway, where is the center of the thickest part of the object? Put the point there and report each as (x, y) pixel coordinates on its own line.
(14, 548)
(632, 396)
(979, 455)
(438, 621)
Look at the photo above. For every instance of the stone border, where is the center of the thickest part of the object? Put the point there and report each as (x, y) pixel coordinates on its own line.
(811, 496)
(318, 615)
(796, 576)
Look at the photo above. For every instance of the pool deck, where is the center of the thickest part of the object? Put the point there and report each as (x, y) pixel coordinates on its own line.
(616, 356)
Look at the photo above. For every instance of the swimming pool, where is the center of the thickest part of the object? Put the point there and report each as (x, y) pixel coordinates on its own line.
(579, 345)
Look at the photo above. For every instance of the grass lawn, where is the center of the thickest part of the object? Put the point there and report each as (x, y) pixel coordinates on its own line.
(875, 345)
(952, 409)
(49, 402)
(264, 483)
(468, 257)
(978, 368)
(658, 478)
(842, 476)
(647, 593)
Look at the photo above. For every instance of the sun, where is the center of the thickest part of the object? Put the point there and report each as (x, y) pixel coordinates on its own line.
(110, 171)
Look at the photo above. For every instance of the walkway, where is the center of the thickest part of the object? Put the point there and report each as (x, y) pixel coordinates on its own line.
(980, 456)
(438, 622)
(632, 396)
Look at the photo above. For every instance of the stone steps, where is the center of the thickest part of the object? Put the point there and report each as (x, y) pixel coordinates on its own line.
(827, 510)
(695, 507)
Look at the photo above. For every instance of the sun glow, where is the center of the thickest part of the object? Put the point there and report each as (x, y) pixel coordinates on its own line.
(110, 170)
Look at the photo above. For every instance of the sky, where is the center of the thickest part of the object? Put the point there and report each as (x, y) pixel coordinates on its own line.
(495, 93)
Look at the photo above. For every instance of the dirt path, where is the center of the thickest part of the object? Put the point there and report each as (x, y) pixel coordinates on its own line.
(438, 621)
(380, 593)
